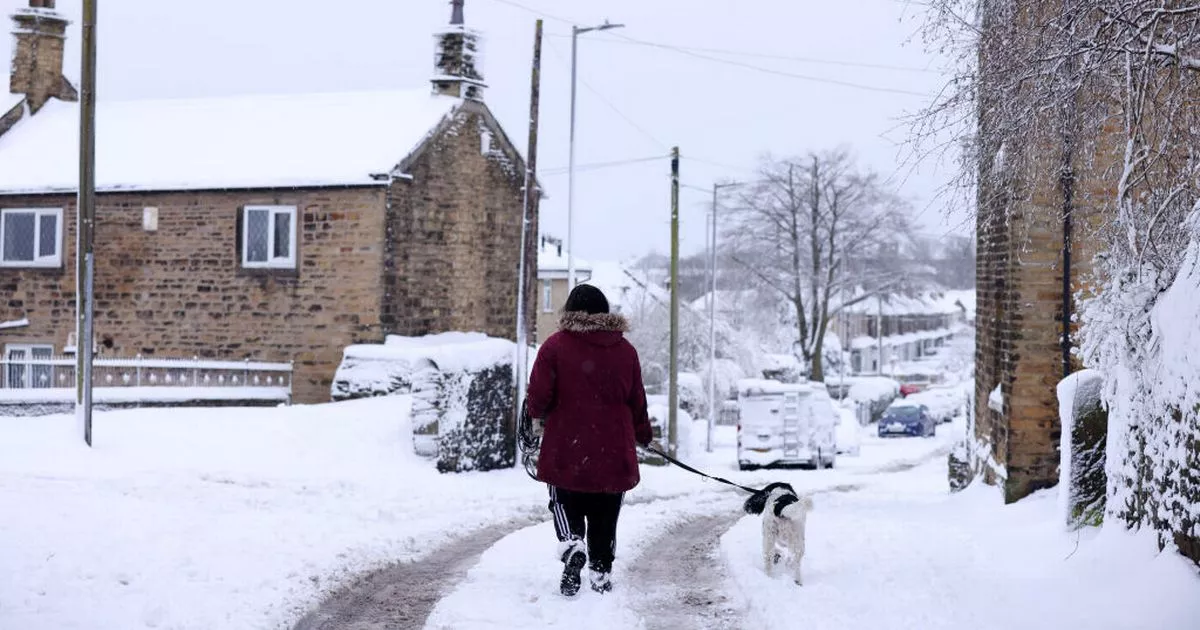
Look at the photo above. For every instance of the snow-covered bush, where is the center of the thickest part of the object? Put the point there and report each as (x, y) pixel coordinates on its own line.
(1141, 331)
(463, 394)
(877, 392)
(1082, 481)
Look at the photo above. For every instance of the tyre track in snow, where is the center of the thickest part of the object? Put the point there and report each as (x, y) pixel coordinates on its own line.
(685, 580)
(401, 596)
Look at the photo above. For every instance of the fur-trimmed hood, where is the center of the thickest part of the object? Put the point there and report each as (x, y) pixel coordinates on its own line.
(580, 322)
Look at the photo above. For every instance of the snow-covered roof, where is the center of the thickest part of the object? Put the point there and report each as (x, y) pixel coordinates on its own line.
(293, 140)
(931, 303)
(551, 261)
(9, 101)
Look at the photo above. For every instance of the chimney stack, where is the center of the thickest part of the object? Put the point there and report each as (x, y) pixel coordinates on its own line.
(456, 71)
(37, 65)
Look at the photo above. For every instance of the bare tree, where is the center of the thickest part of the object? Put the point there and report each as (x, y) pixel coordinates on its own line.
(801, 227)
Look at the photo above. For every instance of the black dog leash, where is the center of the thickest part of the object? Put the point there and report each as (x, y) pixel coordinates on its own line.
(702, 474)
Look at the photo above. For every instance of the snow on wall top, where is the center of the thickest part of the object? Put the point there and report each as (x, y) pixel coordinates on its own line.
(9, 101)
(454, 351)
(292, 140)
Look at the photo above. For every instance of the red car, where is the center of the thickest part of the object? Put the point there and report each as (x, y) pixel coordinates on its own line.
(913, 387)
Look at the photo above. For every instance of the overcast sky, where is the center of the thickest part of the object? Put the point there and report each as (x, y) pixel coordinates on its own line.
(634, 101)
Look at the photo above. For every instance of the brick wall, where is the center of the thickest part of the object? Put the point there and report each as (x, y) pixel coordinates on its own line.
(181, 290)
(454, 235)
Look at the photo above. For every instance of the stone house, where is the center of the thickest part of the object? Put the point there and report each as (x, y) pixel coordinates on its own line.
(554, 284)
(276, 228)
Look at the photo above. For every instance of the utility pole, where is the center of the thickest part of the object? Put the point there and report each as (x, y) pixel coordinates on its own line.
(712, 320)
(527, 221)
(85, 220)
(673, 396)
(576, 31)
(879, 332)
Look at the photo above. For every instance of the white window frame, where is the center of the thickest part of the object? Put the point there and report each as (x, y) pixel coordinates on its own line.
(27, 362)
(38, 261)
(272, 262)
(547, 296)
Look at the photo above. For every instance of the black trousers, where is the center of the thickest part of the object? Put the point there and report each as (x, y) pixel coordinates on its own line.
(591, 516)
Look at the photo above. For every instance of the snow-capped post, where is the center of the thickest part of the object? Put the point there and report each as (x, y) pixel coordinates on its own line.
(521, 370)
(85, 223)
(673, 376)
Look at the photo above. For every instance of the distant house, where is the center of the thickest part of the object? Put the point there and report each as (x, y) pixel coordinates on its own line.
(278, 228)
(907, 328)
(554, 284)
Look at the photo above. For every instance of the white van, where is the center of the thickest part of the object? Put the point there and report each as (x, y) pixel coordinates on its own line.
(781, 423)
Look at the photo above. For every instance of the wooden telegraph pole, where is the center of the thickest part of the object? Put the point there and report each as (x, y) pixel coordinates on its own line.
(528, 224)
(673, 397)
(85, 219)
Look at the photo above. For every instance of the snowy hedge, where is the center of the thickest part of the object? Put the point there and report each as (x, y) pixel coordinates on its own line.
(1141, 330)
(463, 394)
(876, 392)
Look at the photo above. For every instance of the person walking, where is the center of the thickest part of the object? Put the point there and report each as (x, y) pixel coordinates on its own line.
(586, 389)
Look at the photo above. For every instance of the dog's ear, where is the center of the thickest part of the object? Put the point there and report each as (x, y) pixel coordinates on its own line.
(757, 502)
(783, 502)
(778, 485)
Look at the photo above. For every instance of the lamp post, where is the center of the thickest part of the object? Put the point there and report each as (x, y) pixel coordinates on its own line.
(712, 320)
(576, 31)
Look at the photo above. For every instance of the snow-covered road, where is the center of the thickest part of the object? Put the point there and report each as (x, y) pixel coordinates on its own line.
(249, 519)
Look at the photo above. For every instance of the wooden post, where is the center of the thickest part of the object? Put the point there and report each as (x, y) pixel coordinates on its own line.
(673, 396)
(528, 261)
(85, 217)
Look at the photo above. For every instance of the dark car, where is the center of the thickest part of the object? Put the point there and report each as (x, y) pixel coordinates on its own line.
(907, 419)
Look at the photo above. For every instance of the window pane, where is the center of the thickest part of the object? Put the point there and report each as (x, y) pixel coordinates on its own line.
(283, 235)
(42, 375)
(258, 231)
(18, 236)
(48, 235)
(15, 376)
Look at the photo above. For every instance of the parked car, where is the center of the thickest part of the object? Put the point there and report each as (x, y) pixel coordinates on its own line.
(944, 402)
(785, 424)
(905, 418)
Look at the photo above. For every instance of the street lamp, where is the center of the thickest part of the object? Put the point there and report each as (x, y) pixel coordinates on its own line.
(712, 320)
(575, 33)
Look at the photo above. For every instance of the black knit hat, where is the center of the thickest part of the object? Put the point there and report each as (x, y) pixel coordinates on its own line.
(588, 299)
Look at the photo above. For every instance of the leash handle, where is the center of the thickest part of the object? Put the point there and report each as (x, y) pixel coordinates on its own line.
(698, 472)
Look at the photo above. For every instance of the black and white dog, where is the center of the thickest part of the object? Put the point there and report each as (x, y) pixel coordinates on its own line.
(783, 516)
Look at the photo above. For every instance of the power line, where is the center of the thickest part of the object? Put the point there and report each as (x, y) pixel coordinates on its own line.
(762, 55)
(536, 12)
(649, 136)
(781, 73)
(600, 165)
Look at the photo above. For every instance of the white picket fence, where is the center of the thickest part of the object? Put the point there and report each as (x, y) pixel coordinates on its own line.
(141, 379)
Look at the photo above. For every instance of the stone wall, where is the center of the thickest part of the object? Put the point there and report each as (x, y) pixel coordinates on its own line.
(453, 244)
(181, 291)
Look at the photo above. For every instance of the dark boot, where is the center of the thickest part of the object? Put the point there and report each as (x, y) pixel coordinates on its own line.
(573, 564)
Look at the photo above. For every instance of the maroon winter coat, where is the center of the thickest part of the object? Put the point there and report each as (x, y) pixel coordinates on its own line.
(587, 386)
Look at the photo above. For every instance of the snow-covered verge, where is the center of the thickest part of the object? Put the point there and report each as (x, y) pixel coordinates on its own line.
(1141, 333)
(903, 554)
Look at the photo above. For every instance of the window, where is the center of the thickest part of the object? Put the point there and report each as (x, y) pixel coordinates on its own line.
(20, 369)
(269, 237)
(547, 297)
(31, 237)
